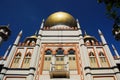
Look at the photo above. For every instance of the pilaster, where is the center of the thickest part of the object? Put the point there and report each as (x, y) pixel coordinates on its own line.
(35, 55)
(109, 55)
(53, 62)
(107, 50)
(99, 64)
(66, 61)
(84, 54)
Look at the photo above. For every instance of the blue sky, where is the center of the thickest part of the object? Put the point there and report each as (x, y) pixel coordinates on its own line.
(27, 15)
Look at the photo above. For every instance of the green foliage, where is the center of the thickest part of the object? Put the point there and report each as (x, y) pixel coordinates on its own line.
(112, 7)
(113, 12)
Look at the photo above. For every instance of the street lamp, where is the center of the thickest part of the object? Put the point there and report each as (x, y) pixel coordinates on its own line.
(4, 33)
(116, 31)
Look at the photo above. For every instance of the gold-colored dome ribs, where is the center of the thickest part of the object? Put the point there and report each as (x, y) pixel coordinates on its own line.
(60, 18)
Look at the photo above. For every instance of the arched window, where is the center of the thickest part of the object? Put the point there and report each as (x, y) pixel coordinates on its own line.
(26, 61)
(16, 60)
(71, 52)
(103, 60)
(93, 62)
(48, 52)
(60, 51)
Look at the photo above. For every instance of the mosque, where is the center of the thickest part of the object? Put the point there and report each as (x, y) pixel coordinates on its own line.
(60, 51)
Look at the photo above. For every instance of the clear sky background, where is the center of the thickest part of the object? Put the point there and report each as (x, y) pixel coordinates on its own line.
(27, 15)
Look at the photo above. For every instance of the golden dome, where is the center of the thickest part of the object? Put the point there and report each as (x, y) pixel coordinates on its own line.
(33, 37)
(62, 18)
(88, 37)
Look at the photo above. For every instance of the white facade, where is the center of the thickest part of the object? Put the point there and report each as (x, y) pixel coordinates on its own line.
(60, 52)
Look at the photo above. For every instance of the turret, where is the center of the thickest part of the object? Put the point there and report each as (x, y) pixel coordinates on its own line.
(41, 27)
(36, 54)
(102, 37)
(18, 38)
(78, 26)
(13, 49)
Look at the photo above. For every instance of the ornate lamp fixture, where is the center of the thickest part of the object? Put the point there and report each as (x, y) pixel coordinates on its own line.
(116, 31)
(4, 33)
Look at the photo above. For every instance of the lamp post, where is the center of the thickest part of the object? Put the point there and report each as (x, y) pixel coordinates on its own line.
(4, 33)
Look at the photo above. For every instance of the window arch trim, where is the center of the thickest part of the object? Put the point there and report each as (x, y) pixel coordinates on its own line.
(16, 60)
(26, 60)
(104, 56)
(72, 53)
(61, 51)
(49, 53)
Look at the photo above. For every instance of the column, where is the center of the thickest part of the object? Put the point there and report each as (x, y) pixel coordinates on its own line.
(35, 55)
(107, 50)
(66, 62)
(109, 55)
(84, 54)
(99, 64)
(53, 62)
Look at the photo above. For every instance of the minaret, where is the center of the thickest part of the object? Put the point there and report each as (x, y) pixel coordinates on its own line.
(11, 55)
(83, 51)
(78, 25)
(108, 52)
(36, 55)
(6, 53)
(102, 37)
(13, 49)
(4, 33)
(116, 53)
(109, 55)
